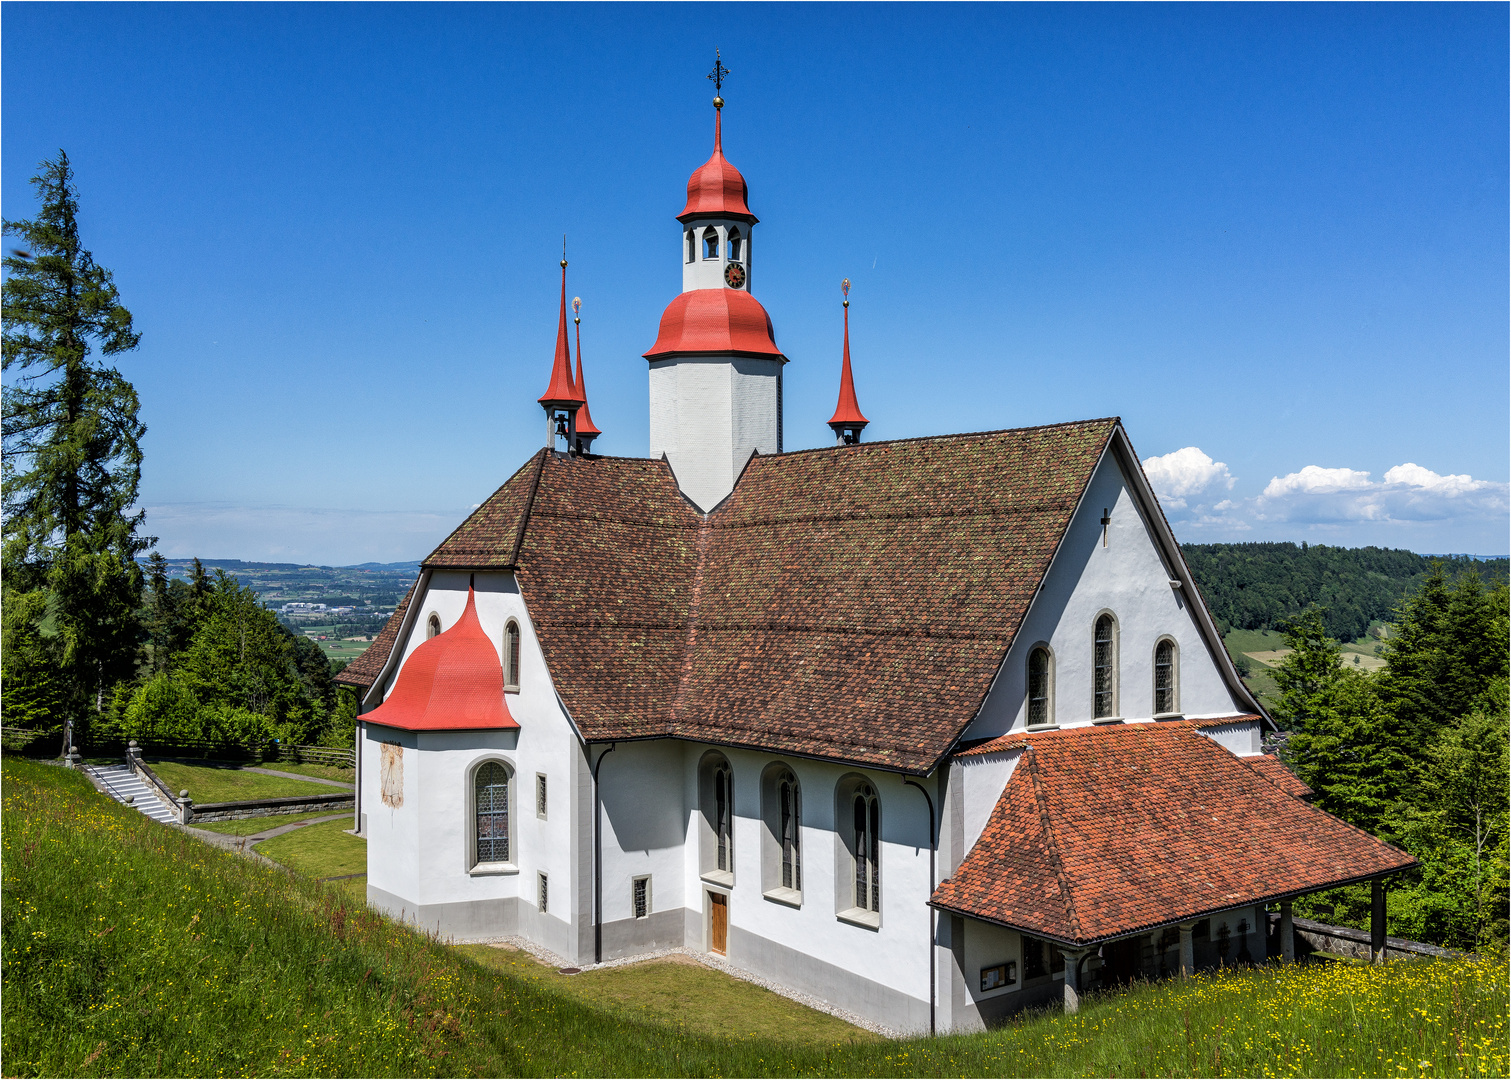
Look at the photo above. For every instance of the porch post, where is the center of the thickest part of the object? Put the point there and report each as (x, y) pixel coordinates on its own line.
(1187, 950)
(1073, 958)
(1377, 921)
(1287, 933)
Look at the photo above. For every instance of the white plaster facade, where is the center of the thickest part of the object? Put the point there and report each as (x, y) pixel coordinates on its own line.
(709, 414)
(699, 271)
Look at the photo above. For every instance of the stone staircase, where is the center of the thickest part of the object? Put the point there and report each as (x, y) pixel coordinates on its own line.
(123, 785)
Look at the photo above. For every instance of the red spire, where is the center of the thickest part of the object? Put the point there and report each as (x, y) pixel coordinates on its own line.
(584, 418)
(453, 682)
(847, 413)
(563, 392)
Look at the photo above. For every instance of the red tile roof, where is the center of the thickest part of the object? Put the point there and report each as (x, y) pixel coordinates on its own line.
(716, 188)
(452, 682)
(724, 321)
(1274, 770)
(847, 412)
(850, 603)
(1108, 831)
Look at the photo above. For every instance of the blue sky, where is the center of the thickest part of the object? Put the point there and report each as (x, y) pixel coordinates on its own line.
(1271, 238)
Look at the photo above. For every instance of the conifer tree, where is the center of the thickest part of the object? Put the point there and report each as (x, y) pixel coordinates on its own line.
(72, 443)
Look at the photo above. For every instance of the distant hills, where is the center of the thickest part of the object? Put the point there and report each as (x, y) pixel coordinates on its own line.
(1258, 586)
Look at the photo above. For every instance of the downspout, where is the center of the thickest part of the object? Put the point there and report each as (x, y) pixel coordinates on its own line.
(598, 860)
(933, 915)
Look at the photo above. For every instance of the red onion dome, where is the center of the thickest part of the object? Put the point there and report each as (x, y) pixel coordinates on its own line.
(721, 321)
(717, 189)
(453, 682)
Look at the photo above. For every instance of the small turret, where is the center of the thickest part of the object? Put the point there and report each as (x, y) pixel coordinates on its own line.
(586, 431)
(562, 400)
(847, 421)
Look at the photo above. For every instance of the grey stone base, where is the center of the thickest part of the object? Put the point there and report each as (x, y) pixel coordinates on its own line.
(197, 815)
(658, 930)
(477, 920)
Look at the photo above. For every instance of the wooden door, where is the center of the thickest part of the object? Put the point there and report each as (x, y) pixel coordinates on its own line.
(719, 923)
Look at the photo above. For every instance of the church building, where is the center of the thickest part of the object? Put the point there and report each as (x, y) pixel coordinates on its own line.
(932, 729)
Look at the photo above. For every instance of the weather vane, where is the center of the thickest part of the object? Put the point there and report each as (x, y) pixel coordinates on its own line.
(844, 287)
(563, 251)
(717, 75)
(577, 308)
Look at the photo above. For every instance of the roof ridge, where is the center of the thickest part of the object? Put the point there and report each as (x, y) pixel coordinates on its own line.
(1051, 849)
(943, 438)
(524, 514)
(694, 601)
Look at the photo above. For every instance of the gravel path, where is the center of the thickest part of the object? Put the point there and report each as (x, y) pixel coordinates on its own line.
(298, 776)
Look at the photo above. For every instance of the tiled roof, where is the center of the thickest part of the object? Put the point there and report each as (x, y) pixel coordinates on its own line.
(851, 603)
(365, 669)
(1107, 831)
(1274, 770)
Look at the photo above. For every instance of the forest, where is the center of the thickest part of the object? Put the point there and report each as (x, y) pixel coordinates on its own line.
(1258, 586)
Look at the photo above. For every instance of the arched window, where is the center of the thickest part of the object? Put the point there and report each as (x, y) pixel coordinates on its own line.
(716, 799)
(511, 655)
(491, 813)
(1040, 687)
(692, 245)
(867, 824)
(433, 627)
(736, 246)
(1105, 688)
(781, 835)
(710, 243)
(1166, 678)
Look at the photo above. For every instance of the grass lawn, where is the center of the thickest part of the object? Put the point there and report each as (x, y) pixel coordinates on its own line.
(682, 994)
(131, 949)
(325, 772)
(248, 826)
(319, 851)
(230, 783)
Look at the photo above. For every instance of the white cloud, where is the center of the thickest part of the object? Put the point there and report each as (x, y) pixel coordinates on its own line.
(1408, 493)
(1181, 476)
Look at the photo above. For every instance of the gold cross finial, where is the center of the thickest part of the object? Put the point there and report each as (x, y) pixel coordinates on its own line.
(717, 75)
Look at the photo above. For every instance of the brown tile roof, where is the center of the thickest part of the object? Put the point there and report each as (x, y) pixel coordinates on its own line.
(1107, 831)
(365, 669)
(852, 603)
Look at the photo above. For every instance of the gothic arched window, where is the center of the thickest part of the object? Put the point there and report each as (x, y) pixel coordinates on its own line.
(1040, 687)
(867, 824)
(790, 800)
(491, 813)
(511, 655)
(736, 246)
(710, 243)
(716, 855)
(433, 627)
(692, 245)
(1105, 688)
(1166, 680)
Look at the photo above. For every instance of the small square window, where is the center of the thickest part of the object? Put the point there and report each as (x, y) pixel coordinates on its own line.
(540, 795)
(544, 894)
(640, 896)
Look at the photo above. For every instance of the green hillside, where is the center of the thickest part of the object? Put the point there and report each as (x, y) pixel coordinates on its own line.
(1259, 586)
(132, 949)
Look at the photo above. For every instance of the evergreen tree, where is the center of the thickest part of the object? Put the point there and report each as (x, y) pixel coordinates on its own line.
(1314, 664)
(72, 459)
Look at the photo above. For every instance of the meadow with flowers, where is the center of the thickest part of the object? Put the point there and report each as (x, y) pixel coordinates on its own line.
(132, 949)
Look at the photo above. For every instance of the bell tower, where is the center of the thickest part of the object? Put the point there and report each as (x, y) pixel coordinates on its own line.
(715, 369)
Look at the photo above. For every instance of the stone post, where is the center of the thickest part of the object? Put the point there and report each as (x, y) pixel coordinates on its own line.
(185, 807)
(1073, 958)
(1187, 950)
(133, 753)
(1377, 921)
(1287, 933)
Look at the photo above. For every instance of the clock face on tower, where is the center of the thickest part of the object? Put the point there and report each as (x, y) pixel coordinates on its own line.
(734, 276)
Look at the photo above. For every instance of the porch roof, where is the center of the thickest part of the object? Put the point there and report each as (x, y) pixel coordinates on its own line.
(1105, 832)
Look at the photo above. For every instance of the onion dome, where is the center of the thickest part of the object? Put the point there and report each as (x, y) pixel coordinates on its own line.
(716, 189)
(563, 392)
(585, 428)
(847, 416)
(723, 321)
(453, 682)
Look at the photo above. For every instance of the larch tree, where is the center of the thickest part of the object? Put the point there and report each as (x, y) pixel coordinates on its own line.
(72, 442)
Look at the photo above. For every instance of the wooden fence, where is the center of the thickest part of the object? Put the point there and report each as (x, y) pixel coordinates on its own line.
(340, 757)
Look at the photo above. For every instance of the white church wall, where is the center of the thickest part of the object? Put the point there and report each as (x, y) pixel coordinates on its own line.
(419, 860)
(1242, 739)
(880, 971)
(983, 780)
(644, 835)
(1127, 577)
(701, 273)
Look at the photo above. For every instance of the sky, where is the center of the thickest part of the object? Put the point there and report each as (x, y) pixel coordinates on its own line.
(1273, 239)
